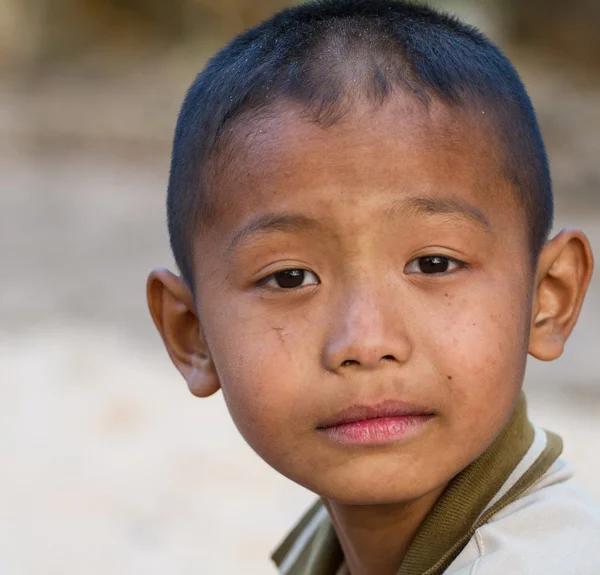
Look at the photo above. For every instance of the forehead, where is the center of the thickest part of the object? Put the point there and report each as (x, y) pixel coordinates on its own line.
(285, 160)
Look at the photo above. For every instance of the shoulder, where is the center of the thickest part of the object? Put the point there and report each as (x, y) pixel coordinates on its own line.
(554, 528)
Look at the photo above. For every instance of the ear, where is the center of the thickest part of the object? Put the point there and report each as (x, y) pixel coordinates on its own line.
(563, 275)
(172, 308)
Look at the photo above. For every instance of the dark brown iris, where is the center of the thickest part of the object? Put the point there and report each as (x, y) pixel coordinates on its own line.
(433, 265)
(290, 278)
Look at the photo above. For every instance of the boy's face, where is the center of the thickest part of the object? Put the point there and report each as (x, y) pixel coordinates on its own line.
(413, 286)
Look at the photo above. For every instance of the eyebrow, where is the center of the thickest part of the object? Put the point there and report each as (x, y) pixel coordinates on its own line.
(428, 205)
(275, 223)
(417, 205)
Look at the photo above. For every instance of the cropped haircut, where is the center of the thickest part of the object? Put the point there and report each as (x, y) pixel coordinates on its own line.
(326, 56)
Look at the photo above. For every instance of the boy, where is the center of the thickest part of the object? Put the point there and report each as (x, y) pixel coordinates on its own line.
(359, 204)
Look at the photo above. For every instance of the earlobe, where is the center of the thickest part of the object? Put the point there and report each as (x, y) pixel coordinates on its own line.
(171, 305)
(563, 275)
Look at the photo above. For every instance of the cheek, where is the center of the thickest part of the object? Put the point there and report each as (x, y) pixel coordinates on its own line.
(480, 343)
(263, 377)
(476, 345)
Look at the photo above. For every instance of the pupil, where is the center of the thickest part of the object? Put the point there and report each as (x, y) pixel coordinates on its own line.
(290, 278)
(433, 265)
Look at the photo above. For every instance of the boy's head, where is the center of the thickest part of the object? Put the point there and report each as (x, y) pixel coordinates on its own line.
(359, 204)
(328, 59)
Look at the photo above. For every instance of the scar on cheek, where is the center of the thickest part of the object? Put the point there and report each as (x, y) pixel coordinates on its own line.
(279, 331)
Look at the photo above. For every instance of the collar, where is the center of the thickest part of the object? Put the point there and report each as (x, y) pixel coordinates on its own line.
(469, 501)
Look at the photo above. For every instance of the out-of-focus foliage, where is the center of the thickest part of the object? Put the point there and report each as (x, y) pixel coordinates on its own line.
(39, 33)
(568, 30)
(42, 32)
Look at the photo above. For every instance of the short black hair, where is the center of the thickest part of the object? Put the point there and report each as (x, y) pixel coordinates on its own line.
(312, 54)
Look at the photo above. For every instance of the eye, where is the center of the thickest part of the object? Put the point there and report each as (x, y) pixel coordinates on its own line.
(431, 265)
(290, 279)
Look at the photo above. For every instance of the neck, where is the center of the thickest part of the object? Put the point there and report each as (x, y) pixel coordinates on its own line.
(375, 538)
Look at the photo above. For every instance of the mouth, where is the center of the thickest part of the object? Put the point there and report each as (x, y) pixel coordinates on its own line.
(385, 422)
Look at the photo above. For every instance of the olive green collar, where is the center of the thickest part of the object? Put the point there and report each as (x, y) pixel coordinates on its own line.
(312, 548)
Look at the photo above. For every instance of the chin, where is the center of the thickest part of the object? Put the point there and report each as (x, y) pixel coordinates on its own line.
(383, 491)
(364, 497)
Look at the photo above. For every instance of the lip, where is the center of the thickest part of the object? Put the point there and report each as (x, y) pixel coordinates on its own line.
(384, 422)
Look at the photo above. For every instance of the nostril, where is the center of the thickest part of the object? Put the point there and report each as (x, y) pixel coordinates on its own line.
(349, 362)
(389, 358)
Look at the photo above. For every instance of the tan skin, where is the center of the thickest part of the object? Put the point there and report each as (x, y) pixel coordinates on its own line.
(358, 207)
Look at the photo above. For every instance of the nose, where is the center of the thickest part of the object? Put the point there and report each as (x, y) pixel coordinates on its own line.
(367, 330)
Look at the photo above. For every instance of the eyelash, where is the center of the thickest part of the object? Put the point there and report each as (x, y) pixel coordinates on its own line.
(450, 261)
(293, 271)
(301, 273)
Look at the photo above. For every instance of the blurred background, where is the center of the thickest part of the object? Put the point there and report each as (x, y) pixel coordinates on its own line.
(109, 464)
